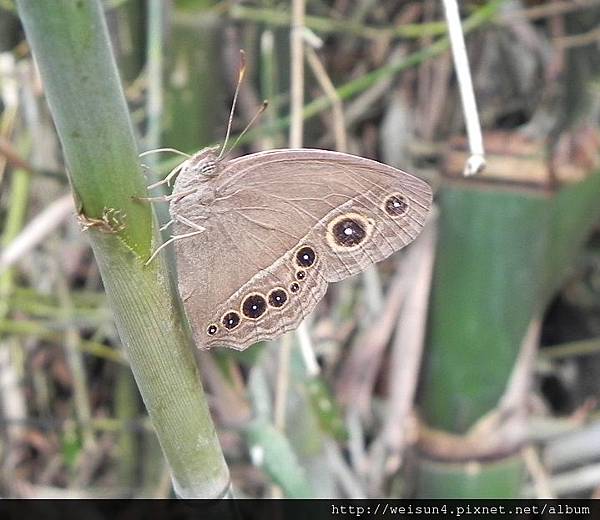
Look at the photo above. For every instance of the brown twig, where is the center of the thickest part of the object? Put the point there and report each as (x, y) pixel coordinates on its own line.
(578, 40)
(360, 367)
(13, 157)
(539, 475)
(550, 9)
(404, 367)
(339, 127)
(37, 230)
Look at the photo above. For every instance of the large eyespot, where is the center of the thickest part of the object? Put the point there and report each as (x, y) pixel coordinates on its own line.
(278, 297)
(306, 256)
(347, 231)
(395, 206)
(295, 287)
(212, 329)
(300, 274)
(230, 320)
(254, 306)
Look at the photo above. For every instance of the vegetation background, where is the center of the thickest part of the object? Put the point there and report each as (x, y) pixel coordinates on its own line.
(468, 365)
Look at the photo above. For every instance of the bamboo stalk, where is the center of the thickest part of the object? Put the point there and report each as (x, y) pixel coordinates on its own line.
(70, 42)
(193, 82)
(506, 246)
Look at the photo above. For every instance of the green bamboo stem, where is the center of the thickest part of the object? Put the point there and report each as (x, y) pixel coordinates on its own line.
(488, 480)
(505, 254)
(486, 290)
(126, 411)
(193, 86)
(70, 42)
(573, 213)
(281, 18)
(127, 33)
(88, 108)
(505, 251)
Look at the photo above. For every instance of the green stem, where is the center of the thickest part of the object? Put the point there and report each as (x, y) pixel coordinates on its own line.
(33, 328)
(70, 41)
(585, 347)
(154, 73)
(280, 18)
(19, 194)
(84, 300)
(126, 411)
(88, 107)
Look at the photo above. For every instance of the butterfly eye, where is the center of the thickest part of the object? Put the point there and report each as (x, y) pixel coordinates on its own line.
(212, 329)
(395, 205)
(306, 256)
(254, 306)
(208, 168)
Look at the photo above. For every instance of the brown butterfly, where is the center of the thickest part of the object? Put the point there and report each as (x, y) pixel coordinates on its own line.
(258, 238)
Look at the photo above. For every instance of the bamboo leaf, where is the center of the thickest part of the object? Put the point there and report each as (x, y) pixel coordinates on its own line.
(278, 459)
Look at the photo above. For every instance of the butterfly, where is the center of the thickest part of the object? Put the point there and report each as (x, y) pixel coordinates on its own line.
(258, 238)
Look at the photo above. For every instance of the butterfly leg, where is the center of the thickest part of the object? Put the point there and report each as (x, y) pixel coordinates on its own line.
(170, 241)
(189, 223)
(162, 228)
(166, 198)
(167, 179)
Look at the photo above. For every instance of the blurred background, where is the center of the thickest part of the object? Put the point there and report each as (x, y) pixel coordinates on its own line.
(467, 365)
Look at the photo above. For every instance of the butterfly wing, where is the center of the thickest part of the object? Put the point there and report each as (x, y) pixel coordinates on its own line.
(282, 224)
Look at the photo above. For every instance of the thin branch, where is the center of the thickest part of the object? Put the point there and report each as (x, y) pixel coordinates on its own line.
(37, 230)
(339, 127)
(476, 162)
(297, 74)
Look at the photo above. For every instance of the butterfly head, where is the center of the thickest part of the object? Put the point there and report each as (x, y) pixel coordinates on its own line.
(203, 165)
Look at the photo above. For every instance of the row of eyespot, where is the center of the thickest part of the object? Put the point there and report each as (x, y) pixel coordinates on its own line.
(349, 234)
(254, 305)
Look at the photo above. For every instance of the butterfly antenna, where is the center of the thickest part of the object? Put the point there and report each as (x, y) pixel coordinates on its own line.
(160, 150)
(262, 108)
(241, 75)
